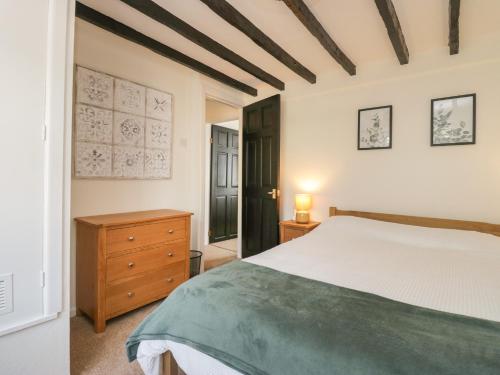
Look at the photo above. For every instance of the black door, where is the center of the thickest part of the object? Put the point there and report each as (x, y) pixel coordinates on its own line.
(261, 152)
(224, 184)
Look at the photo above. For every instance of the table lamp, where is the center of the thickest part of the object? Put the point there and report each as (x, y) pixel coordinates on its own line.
(302, 207)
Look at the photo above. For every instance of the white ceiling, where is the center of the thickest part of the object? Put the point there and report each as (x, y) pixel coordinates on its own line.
(355, 25)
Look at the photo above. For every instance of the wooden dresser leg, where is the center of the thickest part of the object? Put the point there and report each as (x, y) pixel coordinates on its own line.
(169, 365)
(99, 325)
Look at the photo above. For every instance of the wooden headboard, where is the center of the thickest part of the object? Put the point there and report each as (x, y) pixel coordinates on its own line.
(429, 222)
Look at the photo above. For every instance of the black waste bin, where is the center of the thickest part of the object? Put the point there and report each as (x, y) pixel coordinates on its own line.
(195, 263)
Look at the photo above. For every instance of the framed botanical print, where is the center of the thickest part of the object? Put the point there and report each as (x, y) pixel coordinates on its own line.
(375, 128)
(453, 120)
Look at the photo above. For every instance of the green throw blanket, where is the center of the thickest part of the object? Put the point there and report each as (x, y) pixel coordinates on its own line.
(260, 321)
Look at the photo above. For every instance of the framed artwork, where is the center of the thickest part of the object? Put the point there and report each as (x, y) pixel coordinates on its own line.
(375, 128)
(453, 120)
(122, 129)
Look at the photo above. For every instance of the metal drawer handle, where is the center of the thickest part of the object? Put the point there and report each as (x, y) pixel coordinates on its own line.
(131, 238)
(170, 254)
(130, 294)
(170, 231)
(169, 280)
(131, 265)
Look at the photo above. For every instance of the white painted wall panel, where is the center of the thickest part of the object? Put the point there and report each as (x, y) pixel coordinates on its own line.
(35, 49)
(22, 107)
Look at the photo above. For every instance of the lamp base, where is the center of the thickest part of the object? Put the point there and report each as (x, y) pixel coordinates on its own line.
(302, 217)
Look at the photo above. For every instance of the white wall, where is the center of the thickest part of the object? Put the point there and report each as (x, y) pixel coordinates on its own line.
(102, 51)
(35, 184)
(319, 135)
(216, 111)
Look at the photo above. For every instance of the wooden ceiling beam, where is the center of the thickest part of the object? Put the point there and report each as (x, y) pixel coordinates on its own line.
(454, 41)
(304, 14)
(163, 16)
(107, 23)
(388, 14)
(239, 21)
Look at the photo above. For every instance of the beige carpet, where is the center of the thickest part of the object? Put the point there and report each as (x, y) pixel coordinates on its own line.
(104, 353)
(215, 256)
(228, 244)
(219, 253)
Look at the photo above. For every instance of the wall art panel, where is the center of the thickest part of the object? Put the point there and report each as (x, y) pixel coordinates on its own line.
(94, 88)
(122, 129)
(158, 134)
(93, 124)
(157, 163)
(129, 97)
(92, 160)
(128, 129)
(158, 105)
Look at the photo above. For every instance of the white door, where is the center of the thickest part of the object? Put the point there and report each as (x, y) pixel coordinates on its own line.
(23, 71)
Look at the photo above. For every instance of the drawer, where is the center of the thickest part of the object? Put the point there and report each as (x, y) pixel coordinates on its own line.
(138, 291)
(145, 234)
(291, 233)
(158, 256)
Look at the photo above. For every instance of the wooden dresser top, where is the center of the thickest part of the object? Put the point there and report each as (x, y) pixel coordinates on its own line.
(131, 217)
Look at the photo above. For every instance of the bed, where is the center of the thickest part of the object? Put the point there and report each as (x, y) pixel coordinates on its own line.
(400, 294)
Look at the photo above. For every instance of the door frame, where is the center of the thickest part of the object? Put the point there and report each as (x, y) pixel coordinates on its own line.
(225, 96)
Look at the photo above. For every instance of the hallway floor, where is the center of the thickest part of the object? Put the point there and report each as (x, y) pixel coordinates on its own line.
(219, 253)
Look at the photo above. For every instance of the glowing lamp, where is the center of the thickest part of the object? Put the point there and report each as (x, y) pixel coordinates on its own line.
(303, 204)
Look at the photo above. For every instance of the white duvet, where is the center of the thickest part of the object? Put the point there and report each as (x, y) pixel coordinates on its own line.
(447, 270)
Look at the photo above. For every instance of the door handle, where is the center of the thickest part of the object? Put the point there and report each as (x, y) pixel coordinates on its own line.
(273, 193)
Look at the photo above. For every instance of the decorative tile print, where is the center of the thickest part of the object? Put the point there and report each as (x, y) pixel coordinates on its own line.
(122, 129)
(94, 88)
(157, 163)
(93, 124)
(129, 97)
(92, 160)
(128, 162)
(158, 134)
(128, 130)
(158, 105)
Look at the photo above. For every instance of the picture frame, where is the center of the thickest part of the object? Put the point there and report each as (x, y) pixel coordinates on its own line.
(453, 120)
(375, 128)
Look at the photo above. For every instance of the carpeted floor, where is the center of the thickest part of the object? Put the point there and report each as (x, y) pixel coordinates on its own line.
(230, 245)
(104, 353)
(219, 253)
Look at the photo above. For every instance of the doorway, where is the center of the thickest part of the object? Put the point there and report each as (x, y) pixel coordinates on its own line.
(221, 183)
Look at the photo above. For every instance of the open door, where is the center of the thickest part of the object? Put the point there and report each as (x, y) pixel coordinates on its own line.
(224, 184)
(261, 153)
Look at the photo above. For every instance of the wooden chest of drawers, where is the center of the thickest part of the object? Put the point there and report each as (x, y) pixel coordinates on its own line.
(124, 261)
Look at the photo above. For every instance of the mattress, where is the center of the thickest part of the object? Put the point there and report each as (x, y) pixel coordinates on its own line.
(446, 270)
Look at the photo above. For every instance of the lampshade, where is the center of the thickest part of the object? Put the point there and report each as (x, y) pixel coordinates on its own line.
(303, 202)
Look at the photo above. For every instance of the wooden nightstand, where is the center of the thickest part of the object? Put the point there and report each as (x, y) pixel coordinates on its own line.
(290, 229)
